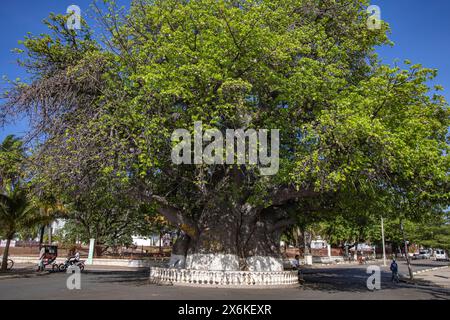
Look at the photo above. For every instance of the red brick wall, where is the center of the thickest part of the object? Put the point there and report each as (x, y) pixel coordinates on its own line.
(291, 252)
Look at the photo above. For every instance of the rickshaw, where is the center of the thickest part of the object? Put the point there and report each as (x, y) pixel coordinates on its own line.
(51, 253)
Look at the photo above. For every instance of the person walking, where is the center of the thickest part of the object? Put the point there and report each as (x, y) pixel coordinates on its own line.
(41, 259)
(394, 270)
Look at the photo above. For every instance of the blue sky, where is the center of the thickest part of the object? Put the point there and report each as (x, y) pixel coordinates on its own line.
(420, 31)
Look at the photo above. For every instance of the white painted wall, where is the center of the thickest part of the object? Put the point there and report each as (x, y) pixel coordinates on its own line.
(230, 262)
(11, 244)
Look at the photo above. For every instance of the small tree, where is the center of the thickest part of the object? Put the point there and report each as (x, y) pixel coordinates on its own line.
(16, 212)
(103, 211)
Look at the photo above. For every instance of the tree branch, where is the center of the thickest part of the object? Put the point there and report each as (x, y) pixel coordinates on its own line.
(282, 224)
(175, 216)
(283, 195)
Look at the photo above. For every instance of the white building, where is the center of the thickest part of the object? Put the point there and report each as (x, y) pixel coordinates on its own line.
(319, 244)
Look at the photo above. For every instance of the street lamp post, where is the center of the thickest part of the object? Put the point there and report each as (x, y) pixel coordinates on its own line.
(382, 239)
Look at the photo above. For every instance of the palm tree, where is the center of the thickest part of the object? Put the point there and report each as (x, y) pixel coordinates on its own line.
(13, 173)
(17, 211)
(50, 209)
(12, 154)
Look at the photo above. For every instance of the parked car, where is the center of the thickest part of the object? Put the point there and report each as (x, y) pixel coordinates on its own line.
(440, 255)
(423, 254)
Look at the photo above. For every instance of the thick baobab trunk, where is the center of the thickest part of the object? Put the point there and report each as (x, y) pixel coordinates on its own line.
(261, 252)
(6, 254)
(234, 240)
(179, 252)
(230, 236)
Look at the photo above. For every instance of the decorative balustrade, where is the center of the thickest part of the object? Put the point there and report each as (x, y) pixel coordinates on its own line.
(189, 277)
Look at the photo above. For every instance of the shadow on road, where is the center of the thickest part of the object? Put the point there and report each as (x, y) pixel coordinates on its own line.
(330, 280)
(136, 277)
(355, 280)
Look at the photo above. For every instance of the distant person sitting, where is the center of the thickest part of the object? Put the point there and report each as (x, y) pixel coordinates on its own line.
(296, 266)
(74, 259)
(296, 262)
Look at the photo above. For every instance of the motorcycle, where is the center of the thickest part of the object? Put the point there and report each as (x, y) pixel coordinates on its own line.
(71, 262)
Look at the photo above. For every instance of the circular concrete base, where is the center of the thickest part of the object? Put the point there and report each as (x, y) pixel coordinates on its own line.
(223, 279)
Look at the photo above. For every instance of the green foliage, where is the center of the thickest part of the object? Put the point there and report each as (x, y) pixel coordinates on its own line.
(106, 213)
(12, 155)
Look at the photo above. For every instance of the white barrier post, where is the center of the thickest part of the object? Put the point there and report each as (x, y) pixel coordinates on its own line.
(91, 252)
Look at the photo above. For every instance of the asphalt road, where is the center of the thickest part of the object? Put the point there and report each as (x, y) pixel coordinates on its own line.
(334, 282)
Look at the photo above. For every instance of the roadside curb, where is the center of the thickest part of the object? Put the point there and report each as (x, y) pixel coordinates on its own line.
(24, 275)
(346, 263)
(428, 270)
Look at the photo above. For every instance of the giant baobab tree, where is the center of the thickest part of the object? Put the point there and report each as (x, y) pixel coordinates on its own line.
(349, 126)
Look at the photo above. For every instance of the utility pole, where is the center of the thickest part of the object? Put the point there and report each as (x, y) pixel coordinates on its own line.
(50, 233)
(411, 275)
(382, 239)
